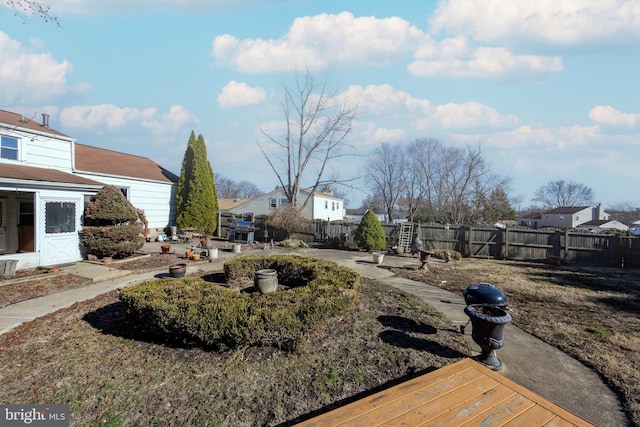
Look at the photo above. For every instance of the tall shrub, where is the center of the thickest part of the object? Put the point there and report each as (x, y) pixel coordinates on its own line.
(112, 225)
(370, 234)
(196, 199)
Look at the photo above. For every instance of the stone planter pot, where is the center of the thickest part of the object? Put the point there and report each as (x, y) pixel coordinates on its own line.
(377, 257)
(237, 248)
(266, 280)
(177, 270)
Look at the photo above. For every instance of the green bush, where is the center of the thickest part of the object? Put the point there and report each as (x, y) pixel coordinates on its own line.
(111, 227)
(370, 234)
(212, 314)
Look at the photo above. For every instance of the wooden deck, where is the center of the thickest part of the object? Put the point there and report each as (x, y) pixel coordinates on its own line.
(463, 393)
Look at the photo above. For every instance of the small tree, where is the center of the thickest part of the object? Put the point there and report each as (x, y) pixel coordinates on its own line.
(196, 199)
(112, 225)
(370, 234)
(289, 220)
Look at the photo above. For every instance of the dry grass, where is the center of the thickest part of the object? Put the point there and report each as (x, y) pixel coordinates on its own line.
(589, 313)
(111, 372)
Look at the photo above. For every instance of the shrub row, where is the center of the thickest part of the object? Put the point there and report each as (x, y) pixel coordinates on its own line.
(191, 308)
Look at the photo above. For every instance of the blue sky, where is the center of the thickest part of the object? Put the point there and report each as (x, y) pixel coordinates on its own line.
(549, 88)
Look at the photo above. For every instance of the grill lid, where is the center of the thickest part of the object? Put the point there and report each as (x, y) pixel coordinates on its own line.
(484, 293)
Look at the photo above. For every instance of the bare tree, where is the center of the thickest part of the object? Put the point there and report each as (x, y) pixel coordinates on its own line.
(316, 128)
(31, 7)
(454, 183)
(230, 189)
(386, 170)
(560, 193)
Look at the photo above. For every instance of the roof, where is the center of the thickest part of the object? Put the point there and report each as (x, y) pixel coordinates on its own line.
(566, 210)
(29, 173)
(362, 211)
(531, 215)
(108, 162)
(596, 222)
(227, 204)
(20, 122)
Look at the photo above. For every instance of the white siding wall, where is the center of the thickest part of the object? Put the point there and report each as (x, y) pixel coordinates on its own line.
(47, 153)
(328, 208)
(154, 198)
(316, 208)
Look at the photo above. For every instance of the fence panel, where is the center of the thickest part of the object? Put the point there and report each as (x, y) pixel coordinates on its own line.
(530, 245)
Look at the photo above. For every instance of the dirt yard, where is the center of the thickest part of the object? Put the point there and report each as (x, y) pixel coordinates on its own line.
(589, 313)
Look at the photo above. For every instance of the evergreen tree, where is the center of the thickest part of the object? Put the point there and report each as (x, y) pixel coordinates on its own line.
(112, 225)
(196, 199)
(370, 234)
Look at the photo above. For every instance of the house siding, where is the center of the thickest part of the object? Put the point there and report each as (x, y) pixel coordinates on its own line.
(53, 154)
(314, 209)
(156, 199)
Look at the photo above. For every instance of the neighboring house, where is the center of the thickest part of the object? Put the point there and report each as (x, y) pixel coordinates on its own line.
(321, 205)
(47, 179)
(599, 225)
(356, 215)
(564, 217)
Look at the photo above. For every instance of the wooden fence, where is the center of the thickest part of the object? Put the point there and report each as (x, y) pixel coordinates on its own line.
(515, 243)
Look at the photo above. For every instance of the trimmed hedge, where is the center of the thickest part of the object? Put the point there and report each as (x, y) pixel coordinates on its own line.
(191, 308)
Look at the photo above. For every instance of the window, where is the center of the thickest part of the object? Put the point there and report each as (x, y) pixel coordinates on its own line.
(273, 203)
(333, 206)
(8, 148)
(125, 192)
(60, 217)
(326, 204)
(284, 202)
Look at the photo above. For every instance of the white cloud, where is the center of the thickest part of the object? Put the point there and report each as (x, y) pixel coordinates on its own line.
(609, 116)
(551, 22)
(467, 115)
(382, 135)
(92, 7)
(172, 122)
(236, 94)
(102, 116)
(384, 100)
(564, 138)
(457, 60)
(29, 77)
(318, 41)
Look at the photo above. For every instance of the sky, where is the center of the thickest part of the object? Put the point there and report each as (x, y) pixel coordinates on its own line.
(548, 89)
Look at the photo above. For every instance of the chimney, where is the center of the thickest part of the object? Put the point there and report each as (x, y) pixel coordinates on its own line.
(45, 120)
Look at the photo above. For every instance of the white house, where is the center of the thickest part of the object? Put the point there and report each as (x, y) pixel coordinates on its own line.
(46, 180)
(564, 217)
(321, 205)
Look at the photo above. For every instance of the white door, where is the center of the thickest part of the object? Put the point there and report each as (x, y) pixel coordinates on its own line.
(3, 226)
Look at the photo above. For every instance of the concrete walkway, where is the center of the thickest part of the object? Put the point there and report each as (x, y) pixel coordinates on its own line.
(527, 360)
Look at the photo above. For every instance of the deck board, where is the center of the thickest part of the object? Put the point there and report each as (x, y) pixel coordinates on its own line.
(463, 393)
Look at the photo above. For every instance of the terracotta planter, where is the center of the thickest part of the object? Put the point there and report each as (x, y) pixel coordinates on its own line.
(177, 270)
(195, 257)
(165, 248)
(188, 253)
